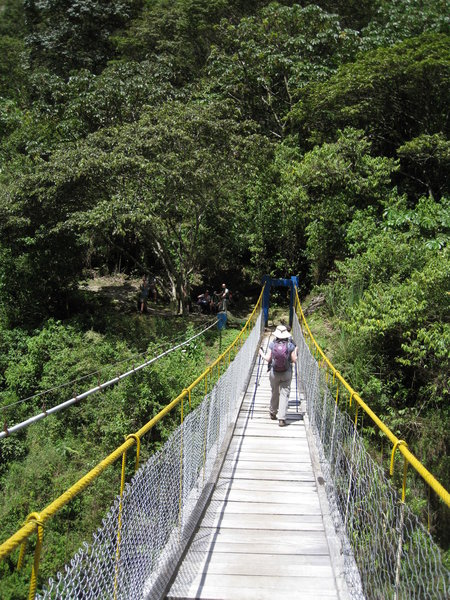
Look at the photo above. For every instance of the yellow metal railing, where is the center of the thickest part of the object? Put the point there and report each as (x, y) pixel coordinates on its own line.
(35, 521)
(401, 445)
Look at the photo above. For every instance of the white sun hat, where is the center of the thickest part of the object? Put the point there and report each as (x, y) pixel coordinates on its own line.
(281, 333)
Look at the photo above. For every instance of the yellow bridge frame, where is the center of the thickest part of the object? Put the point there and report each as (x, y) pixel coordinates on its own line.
(35, 521)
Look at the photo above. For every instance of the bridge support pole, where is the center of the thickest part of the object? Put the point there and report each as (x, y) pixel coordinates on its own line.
(270, 282)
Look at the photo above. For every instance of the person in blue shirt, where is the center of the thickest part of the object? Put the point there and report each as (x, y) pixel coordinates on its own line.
(281, 355)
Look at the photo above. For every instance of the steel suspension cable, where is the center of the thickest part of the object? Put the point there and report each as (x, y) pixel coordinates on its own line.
(8, 430)
(5, 407)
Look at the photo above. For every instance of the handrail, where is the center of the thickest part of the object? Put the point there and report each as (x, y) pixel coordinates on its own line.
(396, 442)
(36, 520)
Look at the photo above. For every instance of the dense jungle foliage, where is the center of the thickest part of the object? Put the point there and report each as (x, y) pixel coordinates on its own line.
(210, 140)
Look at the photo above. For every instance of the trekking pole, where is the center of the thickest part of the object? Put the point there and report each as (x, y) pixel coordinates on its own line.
(258, 378)
(296, 387)
(265, 352)
(256, 386)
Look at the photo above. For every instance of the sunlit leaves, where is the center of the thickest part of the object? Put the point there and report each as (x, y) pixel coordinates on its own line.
(328, 185)
(263, 61)
(397, 20)
(73, 34)
(394, 94)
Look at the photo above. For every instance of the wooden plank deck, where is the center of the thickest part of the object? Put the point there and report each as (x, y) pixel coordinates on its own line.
(263, 534)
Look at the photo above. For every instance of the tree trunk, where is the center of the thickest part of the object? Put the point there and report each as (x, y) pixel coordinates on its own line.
(183, 295)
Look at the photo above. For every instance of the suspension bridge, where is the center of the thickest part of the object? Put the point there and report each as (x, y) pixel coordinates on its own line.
(234, 507)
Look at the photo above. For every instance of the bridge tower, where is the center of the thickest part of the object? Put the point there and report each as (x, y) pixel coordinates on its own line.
(270, 282)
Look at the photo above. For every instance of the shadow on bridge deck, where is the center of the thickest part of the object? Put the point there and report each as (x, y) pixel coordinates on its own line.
(266, 531)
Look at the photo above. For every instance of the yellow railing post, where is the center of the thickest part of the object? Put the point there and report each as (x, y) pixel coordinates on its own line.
(405, 465)
(33, 517)
(119, 522)
(134, 437)
(37, 556)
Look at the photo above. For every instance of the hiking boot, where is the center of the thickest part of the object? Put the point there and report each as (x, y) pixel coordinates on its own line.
(273, 416)
(281, 422)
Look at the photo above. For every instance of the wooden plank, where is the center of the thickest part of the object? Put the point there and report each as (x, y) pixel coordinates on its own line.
(255, 521)
(257, 537)
(279, 432)
(226, 483)
(262, 536)
(269, 508)
(278, 457)
(271, 444)
(243, 593)
(263, 420)
(274, 565)
(298, 499)
(262, 415)
(243, 541)
(264, 475)
(275, 466)
(226, 587)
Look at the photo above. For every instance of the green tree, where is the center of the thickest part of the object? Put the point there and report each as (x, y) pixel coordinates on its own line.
(12, 72)
(168, 183)
(353, 13)
(390, 300)
(118, 95)
(393, 94)
(272, 223)
(180, 29)
(171, 180)
(396, 20)
(71, 34)
(263, 61)
(399, 319)
(12, 21)
(12, 56)
(326, 186)
(425, 161)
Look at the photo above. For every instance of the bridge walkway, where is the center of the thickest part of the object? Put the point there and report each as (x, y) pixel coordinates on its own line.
(263, 535)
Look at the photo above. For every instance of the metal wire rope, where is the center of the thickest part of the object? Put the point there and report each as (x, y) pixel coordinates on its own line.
(8, 430)
(91, 374)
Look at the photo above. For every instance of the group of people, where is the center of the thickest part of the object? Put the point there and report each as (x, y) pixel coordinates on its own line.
(206, 302)
(281, 354)
(218, 302)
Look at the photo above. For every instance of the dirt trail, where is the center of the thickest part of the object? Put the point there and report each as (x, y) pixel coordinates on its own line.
(123, 290)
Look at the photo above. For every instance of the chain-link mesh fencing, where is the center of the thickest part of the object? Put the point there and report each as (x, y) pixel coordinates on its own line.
(396, 557)
(135, 551)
